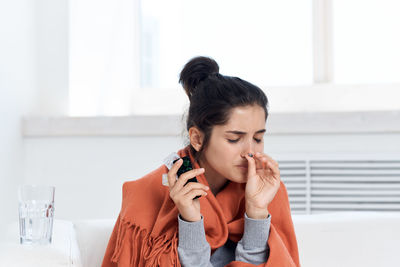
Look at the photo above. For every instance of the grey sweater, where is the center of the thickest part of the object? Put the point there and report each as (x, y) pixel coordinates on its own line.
(194, 250)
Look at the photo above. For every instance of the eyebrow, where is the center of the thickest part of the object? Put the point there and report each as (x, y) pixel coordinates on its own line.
(242, 133)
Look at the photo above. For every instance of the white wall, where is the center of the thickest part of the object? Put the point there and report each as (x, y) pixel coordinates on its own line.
(17, 87)
(33, 59)
(51, 21)
(88, 172)
(88, 159)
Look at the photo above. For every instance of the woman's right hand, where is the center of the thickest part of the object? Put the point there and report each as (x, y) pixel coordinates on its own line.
(183, 195)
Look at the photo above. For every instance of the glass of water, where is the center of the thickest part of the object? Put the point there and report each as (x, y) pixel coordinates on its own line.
(36, 213)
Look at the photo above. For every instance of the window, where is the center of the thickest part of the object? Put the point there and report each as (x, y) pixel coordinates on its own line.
(125, 56)
(102, 56)
(366, 41)
(266, 42)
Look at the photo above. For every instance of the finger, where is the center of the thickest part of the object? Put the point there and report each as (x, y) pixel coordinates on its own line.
(260, 164)
(273, 165)
(194, 193)
(192, 185)
(172, 173)
(261, 155)
(273, 169)
(269, 165)
(264, 159)
(251, 170)
(188, 175)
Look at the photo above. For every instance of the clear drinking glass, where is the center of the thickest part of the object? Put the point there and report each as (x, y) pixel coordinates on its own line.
(36, 213)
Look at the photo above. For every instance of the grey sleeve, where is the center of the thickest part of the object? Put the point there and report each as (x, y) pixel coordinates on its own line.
(253, 247)
(193, 248)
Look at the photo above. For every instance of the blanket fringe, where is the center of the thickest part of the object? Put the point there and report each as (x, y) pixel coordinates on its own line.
(145, 250)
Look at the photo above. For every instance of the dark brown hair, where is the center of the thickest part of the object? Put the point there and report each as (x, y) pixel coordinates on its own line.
(213, 96)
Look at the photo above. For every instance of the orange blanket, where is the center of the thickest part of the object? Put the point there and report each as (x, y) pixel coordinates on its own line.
(146, 231)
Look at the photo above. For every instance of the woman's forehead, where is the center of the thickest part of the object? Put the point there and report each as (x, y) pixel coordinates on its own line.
(246, 116)
(249, 119)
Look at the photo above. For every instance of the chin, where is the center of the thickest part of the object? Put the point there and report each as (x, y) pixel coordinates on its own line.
(239, 179)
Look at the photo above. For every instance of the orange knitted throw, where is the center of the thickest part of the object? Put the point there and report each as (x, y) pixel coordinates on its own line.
(146, 231)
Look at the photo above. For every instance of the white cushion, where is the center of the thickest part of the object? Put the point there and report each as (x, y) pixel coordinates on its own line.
(340, 239)
(93, 237)
(348, 239)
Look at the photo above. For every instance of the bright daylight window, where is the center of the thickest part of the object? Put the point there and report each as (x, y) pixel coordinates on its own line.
(265, 42)
(268, 43)
(125, 56)
(366, 41)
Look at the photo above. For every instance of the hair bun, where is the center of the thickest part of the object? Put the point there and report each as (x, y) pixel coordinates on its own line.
(196, 70)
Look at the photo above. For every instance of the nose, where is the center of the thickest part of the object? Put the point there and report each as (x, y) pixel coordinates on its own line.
(248, 148)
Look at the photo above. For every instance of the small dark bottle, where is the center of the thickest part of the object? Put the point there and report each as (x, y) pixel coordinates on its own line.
(185, 167)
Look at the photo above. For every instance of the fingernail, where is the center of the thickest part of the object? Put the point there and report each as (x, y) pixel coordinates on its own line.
(250, 155)
(207, 188)
(201, 169)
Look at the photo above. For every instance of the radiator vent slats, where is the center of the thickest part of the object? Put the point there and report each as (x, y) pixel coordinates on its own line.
(316, 186)
(295, 173)
(356, 192)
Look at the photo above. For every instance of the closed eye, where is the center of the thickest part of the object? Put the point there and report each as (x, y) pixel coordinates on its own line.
(236, 140)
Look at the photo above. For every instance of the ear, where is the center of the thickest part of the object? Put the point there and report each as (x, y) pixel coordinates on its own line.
(196, 138)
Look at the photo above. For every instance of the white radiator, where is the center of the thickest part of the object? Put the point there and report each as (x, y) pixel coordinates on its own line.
(316, 186)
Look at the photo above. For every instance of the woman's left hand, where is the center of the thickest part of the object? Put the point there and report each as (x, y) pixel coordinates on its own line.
(263, 181)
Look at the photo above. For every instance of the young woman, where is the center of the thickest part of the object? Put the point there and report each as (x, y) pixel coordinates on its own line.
(242, 217)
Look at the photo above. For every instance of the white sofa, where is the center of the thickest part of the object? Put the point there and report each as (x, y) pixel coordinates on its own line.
(345, 239)
(362, 239)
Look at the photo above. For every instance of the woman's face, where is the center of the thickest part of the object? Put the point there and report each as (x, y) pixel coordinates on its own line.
(243, 133)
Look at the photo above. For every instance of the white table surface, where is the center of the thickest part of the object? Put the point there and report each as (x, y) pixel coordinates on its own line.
(63, 251)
